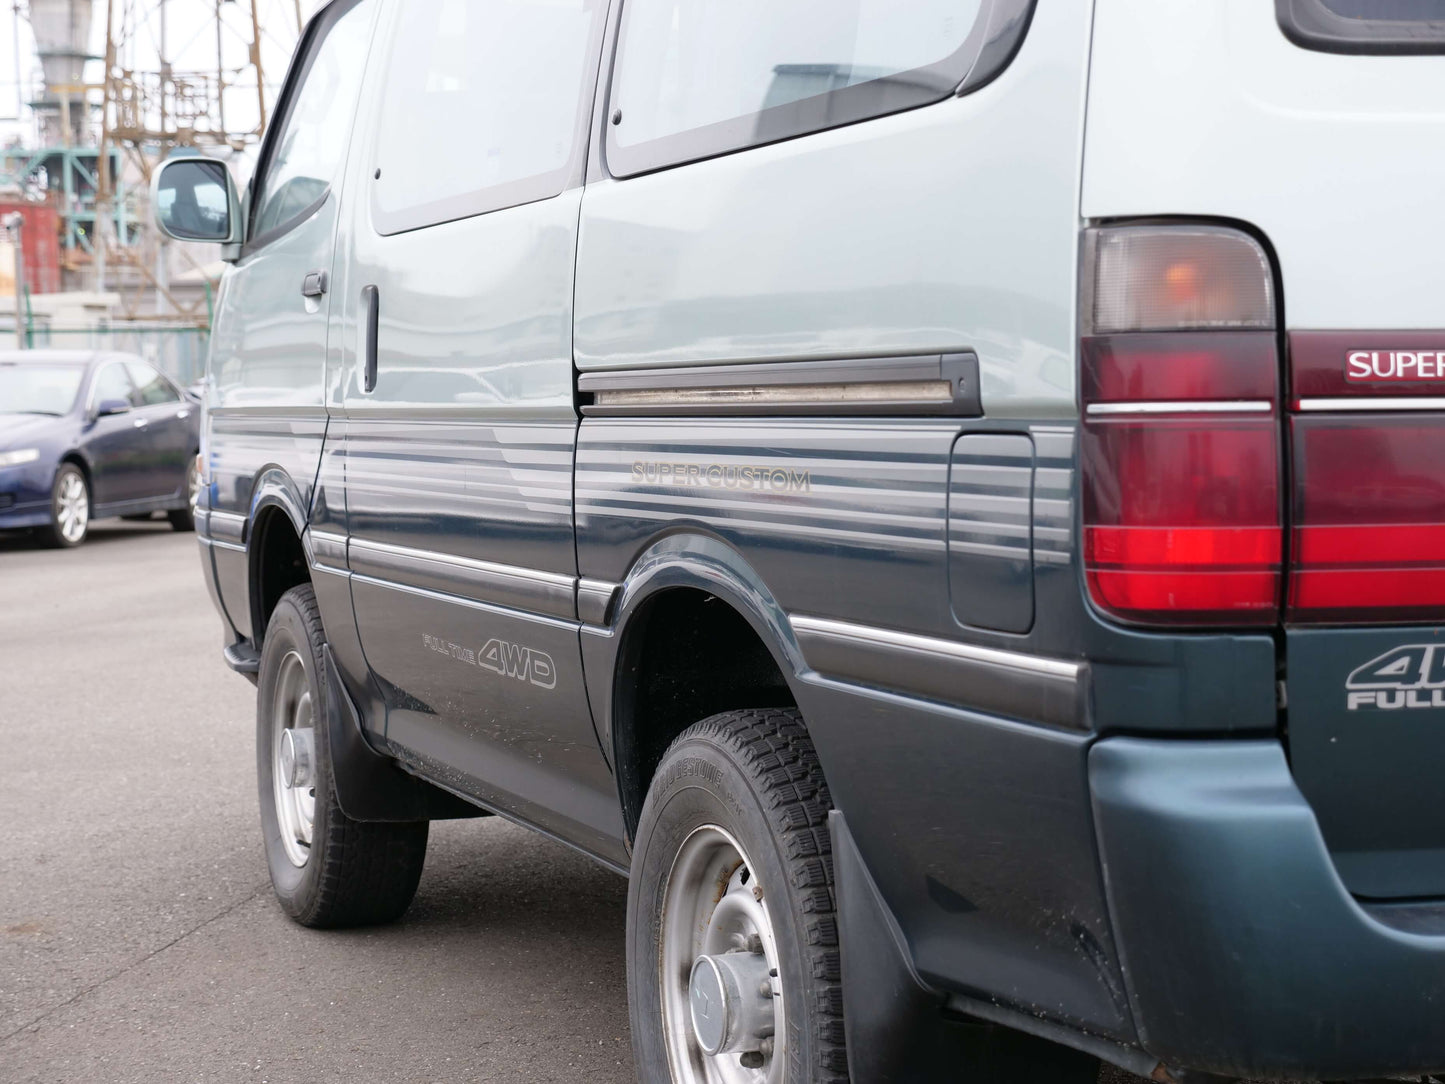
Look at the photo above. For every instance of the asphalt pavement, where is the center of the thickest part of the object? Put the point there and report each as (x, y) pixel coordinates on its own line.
(139, 940)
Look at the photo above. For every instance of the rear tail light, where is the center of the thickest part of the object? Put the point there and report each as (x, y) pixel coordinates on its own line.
(1368, 542)
(1181, 435)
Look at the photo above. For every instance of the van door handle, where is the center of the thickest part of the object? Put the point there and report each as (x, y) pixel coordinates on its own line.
(371, 305)
(314, 284)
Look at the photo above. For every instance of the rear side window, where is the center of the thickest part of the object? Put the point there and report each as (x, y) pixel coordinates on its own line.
(1364, 26)
(151, 387)
(695, 78)
(484, 107)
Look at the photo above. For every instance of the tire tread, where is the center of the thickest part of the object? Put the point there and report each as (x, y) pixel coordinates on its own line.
(773, 747)
(369, 871)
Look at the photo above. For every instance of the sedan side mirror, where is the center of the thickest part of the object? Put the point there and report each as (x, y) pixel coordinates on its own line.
(195, 199)
(112, 406)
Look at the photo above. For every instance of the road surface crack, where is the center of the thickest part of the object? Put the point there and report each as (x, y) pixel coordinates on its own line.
(135, 963)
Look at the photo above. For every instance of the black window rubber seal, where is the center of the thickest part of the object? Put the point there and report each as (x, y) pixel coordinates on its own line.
(1311, 25)
(988, 49)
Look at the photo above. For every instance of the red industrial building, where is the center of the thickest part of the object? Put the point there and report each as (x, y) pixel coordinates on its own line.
(41, 244)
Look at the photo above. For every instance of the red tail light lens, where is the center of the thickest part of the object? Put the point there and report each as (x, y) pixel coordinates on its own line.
(1369, 518)
(1181, 448)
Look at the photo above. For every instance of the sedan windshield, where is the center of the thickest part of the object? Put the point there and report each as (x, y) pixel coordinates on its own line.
(28, 388)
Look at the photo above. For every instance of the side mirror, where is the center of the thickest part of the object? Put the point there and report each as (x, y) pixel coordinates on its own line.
(112, 406)
(195, 199)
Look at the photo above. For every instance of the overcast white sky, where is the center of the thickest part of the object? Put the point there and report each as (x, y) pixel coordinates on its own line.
(190, 43)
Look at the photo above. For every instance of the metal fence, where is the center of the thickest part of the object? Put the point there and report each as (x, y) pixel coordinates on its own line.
(178, 350)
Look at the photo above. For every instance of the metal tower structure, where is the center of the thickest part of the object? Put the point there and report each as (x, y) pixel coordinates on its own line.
(174, 77)
(152, 111)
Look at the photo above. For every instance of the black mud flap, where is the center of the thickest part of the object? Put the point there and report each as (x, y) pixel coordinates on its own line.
(370, 786)
(899, 1031)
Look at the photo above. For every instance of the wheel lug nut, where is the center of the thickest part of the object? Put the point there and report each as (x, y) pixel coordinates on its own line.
(755, 943)
(765, 1048)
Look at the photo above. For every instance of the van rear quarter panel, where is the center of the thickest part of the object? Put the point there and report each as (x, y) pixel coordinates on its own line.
(1204, 107)
(950, 227)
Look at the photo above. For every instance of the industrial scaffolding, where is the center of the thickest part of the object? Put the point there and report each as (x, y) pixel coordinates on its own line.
(100, 141)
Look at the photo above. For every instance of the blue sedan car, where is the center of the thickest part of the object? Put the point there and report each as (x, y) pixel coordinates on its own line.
(85, 435)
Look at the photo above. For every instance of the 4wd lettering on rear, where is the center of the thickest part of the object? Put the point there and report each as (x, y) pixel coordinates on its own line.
(1406, 677)
(515, 661)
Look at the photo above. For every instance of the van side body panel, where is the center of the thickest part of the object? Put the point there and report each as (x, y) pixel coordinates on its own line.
(457, 469)
(932, 231)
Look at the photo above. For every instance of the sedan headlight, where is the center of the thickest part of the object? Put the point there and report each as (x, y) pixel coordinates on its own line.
(19, 456)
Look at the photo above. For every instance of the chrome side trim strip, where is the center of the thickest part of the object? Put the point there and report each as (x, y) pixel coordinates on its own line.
(227, 526)
(1226, 406)
(938, 384)
(358, 578)
(550, 593)
(1423, 402)
(216, 542)
(912, 641)
(594, 600)
(328, 547)
(1028, 687)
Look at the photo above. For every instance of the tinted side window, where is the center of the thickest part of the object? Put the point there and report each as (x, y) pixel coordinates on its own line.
(151, 387)
(305, 157)
(111, 382)
(1364, 26)
(484, 106)
(693, 78)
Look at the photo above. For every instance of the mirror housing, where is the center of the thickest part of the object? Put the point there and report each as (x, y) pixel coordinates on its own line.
(195, 199)
(107, 407)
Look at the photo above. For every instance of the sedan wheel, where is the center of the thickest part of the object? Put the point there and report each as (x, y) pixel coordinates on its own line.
(69, 508)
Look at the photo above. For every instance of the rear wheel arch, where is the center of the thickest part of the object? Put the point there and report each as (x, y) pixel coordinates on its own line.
(698, 633)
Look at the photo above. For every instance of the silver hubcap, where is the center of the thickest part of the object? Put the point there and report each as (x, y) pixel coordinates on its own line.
(72, 508)
(722, 998)
(293, 753)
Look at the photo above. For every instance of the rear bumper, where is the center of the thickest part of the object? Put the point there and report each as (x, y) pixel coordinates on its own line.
(1243, 953)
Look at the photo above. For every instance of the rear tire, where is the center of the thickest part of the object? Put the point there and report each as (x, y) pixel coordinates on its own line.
(184, 519)
(327, 870)
(69, 509)
(732, 875)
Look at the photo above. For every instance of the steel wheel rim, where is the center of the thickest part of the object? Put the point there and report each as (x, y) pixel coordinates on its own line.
(295, 806)
(711, 903)
(72, 507)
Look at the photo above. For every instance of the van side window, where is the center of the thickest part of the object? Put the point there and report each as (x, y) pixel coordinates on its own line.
(694, 78)
(307, 154)
(484, 107)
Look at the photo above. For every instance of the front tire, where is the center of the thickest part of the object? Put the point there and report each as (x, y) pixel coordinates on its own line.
(733, 971)
(327, 869)
(69, 509)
